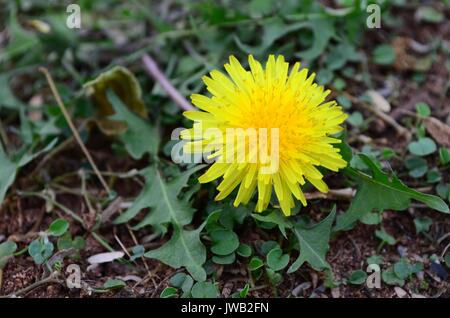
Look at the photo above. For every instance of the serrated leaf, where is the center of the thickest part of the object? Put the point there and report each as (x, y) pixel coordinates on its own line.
(274, 217)
(314, 244)
(323, 31)
(183, 249)
(162, 198)
(9, 168)
(21, 40)
(273, 29)
(139, 137)
(380, 192)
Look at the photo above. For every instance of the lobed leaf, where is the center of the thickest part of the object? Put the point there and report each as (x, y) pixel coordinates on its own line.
(380, 192)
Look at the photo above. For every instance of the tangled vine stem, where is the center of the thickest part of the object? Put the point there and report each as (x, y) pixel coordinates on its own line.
(153, 70)
(72, 127)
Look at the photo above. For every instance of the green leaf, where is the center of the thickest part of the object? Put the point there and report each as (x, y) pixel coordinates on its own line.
(169, 292)
(274, 277)
(314, 244)
(255, 263)
(375, 259)
(417, 166)
(162, 198)
(204, 290)
(7, 250)
(8, 168)
(430, 14)
(356, 119)
(385, 237)
(244, 292)
(78, 243)
(358, 277)
(433, 176)
(8, 99)
(384, 54)
(21, 40)
(183, 249)
(444, 156)
(390, 278)
(259, 8)
(380, 192)
(64, 242)
(244, 250)
(323, 31)
(402, 269)
(274, 217)
(140, 137)
(273, 29)
(447, 259)
(266, 247)
(276, 259)
(224, 259)
(423, 109)
(40, 250)
(111, 284)
(178, 279)
(423, 147)
(58, 227)
(225, 242)
(371, 218)
(422, 224)
(8, 171)
(138, 251)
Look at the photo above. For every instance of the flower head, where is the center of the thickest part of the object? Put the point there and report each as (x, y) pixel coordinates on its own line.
(267, 128)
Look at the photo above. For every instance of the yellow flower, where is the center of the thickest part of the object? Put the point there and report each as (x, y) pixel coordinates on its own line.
(281, 127)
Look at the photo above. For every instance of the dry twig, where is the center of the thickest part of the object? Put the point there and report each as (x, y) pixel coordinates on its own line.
(73, 128)
(153, 70)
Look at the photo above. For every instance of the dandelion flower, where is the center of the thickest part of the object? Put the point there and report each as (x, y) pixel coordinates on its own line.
(271, 108)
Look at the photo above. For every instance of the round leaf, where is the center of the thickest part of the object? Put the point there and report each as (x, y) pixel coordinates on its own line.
(422, 147)
(244, 250)
(58, 227)
(277, 260)
(358, 277)
(204, 290)
(168, 292)
(255, 263)
(225, 242)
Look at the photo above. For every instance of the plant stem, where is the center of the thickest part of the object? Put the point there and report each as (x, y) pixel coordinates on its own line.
(73, 128)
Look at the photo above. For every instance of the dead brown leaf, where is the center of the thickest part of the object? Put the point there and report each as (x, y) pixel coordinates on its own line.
(438, 130)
